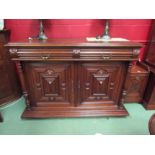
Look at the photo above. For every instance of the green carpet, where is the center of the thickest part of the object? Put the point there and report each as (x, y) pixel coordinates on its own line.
(134, 124)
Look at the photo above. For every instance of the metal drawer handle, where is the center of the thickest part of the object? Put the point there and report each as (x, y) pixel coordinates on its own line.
(106, 57)
(45, 57)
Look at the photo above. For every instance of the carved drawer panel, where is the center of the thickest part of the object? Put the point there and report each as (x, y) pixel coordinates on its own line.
(107, 54)
(40, 54)
(73, 54)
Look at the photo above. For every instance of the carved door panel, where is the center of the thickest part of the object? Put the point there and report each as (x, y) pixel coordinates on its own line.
(49, 84)
(100, 83)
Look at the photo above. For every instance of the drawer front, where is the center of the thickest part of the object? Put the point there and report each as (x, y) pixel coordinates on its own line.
(106, 54)
(73, 54)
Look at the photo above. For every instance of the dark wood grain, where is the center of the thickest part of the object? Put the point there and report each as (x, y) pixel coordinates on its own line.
(73, 77)
(9, 86)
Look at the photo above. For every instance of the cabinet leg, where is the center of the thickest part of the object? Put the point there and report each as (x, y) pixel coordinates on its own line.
(22, 81)
(28, 107)
(124, 92)
(123, 99)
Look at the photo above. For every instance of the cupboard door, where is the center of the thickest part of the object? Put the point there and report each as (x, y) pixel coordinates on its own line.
(49, 84)
(100, 84)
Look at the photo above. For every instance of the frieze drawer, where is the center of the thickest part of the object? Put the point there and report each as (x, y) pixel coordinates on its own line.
(73, 54)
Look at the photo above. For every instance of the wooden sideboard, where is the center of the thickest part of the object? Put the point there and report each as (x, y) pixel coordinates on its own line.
(73, 77)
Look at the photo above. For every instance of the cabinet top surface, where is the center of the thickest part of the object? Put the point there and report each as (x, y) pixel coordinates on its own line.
(73, 43)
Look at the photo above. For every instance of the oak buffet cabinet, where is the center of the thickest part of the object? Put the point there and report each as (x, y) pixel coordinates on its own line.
(73, 77)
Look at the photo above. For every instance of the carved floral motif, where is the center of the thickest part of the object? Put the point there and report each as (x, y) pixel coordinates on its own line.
(101, 75)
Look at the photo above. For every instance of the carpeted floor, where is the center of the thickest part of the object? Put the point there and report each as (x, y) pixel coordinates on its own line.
(134, 124)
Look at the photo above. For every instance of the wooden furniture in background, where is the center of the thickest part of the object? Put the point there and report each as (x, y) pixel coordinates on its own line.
(9, 84)
(1, 119)
(73, 77)
(149, 96)
(152, 125)
(135, 84)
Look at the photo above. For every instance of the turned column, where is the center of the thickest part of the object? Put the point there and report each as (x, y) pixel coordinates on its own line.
(22, 81)
(124, 91)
